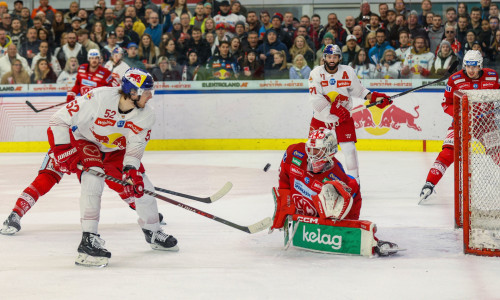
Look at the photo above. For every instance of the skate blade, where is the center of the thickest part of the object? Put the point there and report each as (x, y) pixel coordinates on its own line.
(424, 198)
(9, 230)
(160, 248)
(86, 260)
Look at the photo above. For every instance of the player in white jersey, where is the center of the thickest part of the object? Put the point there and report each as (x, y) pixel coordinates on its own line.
(116, 64)
(111, 127)
(332, 90)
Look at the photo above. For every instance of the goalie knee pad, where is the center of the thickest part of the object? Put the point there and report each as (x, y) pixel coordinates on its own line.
(283, 206)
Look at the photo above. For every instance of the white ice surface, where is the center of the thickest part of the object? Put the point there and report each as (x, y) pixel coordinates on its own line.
(218, 262)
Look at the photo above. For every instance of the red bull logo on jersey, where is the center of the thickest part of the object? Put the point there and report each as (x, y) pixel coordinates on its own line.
(114, 140)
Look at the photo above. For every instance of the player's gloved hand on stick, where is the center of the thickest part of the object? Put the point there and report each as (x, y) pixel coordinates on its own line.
(70, 96)
(341, 112)
(136, 187)
(385, 99)
(66, 158)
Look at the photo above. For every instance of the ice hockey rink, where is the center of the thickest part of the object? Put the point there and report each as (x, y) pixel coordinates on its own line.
(218, 262)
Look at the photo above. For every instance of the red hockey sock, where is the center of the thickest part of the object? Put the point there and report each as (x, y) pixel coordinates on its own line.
(39, 187)
(443, 161)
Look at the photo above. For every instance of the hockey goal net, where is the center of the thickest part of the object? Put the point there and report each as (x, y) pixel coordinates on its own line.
(477, 169)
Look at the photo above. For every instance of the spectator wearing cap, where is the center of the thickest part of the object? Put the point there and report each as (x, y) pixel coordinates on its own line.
(444, 58)
(414, 28)
(111, 44)
(283, 36)
(236, 9)
(116, 65)
(7, 60)
(271, 46)
(74, 7)
(83, 39)
(132, 58)
(375, 53)
(334, 24)
(226, 17)
(208, 9)
(165, 71)
(155, 29)
(418, 62)
(221, 34)
(109, 22)
(46, 8)
(96, 16)
(364, 11)
(30, 47)
(350, 49)
(253, 22)
(76, 24)
(199, 18)
(72, 49)
(265, 18)
(18, 7)
(200, 45)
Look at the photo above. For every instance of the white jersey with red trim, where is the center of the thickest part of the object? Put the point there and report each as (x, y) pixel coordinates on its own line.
(342, 86)
(95, 117)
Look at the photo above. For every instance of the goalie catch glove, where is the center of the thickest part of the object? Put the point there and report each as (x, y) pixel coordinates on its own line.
(334, 201)
(381, 96)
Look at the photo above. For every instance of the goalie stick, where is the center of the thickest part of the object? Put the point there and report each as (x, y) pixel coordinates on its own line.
(450, 71)
(254, 228)
(223, 191)
(39, 110)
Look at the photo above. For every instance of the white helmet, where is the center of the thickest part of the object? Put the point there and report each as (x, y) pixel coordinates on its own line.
(473, 58)
(320, 148)
(93, 53)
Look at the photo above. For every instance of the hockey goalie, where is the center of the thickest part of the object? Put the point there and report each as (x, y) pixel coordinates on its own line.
(318, 204)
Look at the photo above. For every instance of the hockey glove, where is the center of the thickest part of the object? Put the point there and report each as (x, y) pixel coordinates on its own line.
(66, 158)
(136, 187)
(70, 96)
(341, 112)
(385, 99)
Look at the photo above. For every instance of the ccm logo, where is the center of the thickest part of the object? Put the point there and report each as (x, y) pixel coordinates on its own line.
(308, 220)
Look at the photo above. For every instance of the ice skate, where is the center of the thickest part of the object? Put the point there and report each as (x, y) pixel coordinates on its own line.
(91, 251)
(12, 224)
(427, 190)
(385, 248)
(160, 240)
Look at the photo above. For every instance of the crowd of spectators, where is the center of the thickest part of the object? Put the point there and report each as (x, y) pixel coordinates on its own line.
(223, 40)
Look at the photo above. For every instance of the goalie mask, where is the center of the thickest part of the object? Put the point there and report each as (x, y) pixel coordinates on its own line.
(321, 148)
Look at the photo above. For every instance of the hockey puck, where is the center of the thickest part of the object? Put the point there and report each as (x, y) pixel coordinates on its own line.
(267, 167)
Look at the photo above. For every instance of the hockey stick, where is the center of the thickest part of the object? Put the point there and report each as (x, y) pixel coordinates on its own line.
(39, 110)
(450, 71)
(254, 228)
(223, 191)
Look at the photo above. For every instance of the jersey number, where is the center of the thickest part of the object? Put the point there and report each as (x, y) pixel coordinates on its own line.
(72, 107)
(312, 90)
(109, 114)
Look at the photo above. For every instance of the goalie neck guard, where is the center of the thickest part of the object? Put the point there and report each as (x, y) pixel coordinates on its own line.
(321, 147)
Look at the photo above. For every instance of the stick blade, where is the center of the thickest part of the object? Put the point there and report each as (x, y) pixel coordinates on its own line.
(31, 106)
(261, 225)
(222, 192)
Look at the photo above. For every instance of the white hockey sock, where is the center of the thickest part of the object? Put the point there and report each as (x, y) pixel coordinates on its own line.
(351, 158)
(90, 200)
(147, 209)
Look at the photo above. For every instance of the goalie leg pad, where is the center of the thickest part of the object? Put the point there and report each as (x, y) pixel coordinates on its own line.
(283, 206)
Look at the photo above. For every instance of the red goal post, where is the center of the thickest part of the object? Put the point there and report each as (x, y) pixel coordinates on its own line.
(477, 169)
